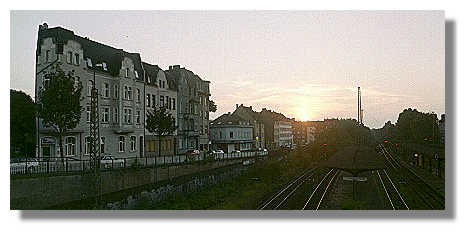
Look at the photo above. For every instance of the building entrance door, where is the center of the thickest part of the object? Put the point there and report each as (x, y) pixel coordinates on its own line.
(141, 144)
(46, 151)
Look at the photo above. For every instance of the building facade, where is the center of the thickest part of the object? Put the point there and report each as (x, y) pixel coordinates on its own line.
(193, 112)
(127, 88)
(253, 117)
(230, 132)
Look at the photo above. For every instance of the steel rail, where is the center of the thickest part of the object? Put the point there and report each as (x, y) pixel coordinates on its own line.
(314, 191)
(284, 189)
(326, 190)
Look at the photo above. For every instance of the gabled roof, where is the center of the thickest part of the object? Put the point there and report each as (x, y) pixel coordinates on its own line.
(229, 119)
(152, 72)
(96, 51)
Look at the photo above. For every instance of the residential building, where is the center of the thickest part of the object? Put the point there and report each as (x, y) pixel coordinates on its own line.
(299, 132)
(193, 109)
(254, 119)
(231, 132)
(127, 88)
(277, 129)
(159, 91)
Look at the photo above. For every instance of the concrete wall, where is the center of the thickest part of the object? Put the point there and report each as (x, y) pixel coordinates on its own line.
(45, 192)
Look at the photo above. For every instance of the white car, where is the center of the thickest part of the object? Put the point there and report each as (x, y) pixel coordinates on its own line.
(110, 162)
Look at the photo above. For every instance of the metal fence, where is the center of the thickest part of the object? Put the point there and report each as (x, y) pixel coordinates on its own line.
(65, 165)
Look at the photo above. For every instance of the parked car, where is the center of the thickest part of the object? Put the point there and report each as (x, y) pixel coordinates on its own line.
(236, 151)
(219, 151)
(111, 161)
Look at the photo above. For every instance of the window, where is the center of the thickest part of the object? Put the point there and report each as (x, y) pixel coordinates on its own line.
(148, 100)
(88, 62)
(127, 115)
(162, 101)
(160, 83)
(122, 144)
(137, 95)
(106, 90)
(133, 142)
(153, 100)
(127, 72)
(104, 66)
(77, 59)
(137, 117)
(48, 55)
(70, 146)
(116, 91)
(125, 92)
(102, 142)
(89, 88)
(166, 103)
(116, 115)
(87, 145)
(105, 115)
(129, 93)
(163, 84)
(220, 133)
(69, 57)
(46, 80)
(136, 74)
(174, 103)
(231, 135)
(88, 113)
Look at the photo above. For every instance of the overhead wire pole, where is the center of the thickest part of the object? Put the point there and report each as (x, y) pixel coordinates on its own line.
(95, 152)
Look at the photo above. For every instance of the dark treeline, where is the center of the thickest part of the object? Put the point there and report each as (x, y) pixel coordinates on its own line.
(22, 125)
(412, 126)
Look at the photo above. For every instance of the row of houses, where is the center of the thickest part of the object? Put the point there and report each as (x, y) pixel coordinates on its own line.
(246, 129)
(128, 87)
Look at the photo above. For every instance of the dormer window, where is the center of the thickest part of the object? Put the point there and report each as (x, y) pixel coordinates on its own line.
(136, 74)
(127, 72)
(104, 67)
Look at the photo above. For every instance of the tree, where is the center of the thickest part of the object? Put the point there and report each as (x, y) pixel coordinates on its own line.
(160, 123)
(59, 102)
(212, 106)
(417, 127)
(22, 124)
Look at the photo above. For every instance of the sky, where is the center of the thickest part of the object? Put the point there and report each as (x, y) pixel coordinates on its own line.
(304, 64)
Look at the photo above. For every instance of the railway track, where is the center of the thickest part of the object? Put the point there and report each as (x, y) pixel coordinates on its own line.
(314, 202)
(422, 195)
(393, 194)
(279, 198)
(292, 195)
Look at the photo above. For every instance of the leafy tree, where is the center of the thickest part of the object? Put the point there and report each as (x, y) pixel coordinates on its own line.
(160, 123)
(417, 127)
(59, 102)
(22, 124)
(212, 106)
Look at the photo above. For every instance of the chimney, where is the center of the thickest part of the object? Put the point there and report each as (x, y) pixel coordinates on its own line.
(251, 107)
(170, 67)
(237, 106)
(228, 113)
(241, 105)
(176, 66)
